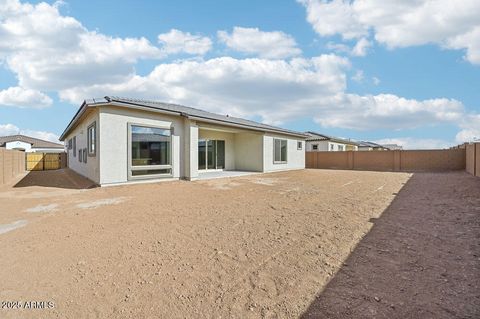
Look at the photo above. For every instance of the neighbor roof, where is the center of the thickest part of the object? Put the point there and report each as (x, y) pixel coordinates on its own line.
(370, 144)
(35, 142)
(181, 110)
(314, 136)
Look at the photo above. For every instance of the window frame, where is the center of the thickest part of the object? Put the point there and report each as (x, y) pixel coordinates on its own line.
(131, 168)
(74, 142)
(299, 145)
(286, 152)
(80, 155)
(85, 155)
(314, 147)
(340, 148)
(91, 141)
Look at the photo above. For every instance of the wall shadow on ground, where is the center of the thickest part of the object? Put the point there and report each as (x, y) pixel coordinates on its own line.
(60, 178)
(421, 259)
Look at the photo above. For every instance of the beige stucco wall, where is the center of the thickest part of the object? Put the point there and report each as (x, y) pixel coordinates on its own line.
(189, 157)
(91, 169)
(249, 152)
(114, 140)
(322, 146)
(229, 139)
(295, 157)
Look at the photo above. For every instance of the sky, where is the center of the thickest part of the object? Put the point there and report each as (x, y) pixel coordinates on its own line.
(405, 72)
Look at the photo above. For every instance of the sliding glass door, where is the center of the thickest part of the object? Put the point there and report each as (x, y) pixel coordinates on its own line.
(211, 154)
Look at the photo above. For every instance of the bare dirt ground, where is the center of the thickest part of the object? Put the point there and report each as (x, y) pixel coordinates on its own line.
(247, 247)
(420, 260)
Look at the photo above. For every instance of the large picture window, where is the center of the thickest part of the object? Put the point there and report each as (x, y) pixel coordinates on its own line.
(150, 151)
(279, 151)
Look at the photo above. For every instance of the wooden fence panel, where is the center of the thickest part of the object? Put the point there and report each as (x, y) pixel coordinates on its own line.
(51, 161)
(35, 162)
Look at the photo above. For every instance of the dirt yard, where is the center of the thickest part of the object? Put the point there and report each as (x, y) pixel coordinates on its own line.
(260, 246)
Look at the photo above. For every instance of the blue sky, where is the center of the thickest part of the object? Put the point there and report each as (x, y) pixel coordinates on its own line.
(366, 69)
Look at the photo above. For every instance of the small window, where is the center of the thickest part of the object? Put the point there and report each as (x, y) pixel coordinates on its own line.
(299, 145)
(340, 148)
(85, 155)
(80, 157)
(332, 147)
(315, 147)
(74, 146)
(92, 139)
(70, 144)
(279, 151)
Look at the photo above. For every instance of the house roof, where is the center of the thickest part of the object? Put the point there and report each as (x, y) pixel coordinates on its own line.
(370, 144)
(180, 110)
(35, 142)
(314, 136)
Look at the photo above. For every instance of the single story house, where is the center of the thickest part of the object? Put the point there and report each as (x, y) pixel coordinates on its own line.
(30, 144)
(370, 146)
(118, 140)
(317, 142)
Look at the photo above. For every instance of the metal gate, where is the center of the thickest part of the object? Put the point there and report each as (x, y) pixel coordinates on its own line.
(43, 161)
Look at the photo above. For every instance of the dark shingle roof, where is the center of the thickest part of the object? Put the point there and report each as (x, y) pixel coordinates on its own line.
(184, 111)
(35, 142)
(313, 136)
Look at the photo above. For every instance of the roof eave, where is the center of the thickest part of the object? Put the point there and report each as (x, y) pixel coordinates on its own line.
(245, 126)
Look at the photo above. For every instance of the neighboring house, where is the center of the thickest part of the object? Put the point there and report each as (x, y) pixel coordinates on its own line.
(321, 142)
(117, 140)
(30, 144)
(370, 146)
(393, 147)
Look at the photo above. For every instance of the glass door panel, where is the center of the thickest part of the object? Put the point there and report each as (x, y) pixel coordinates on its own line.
(220, 154)
(202, 155)
(211, 154)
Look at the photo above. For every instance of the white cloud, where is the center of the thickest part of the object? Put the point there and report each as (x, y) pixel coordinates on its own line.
(270, 45)
(375, 80)
(48, 51)
(416, 143)
(275, 90)
(278, 91)
(334, 17)
(361, 48)
(358, 76)
(470, 129)
(388, 111)
(11, 129)
(449, 24)
(23, 98)
(176, 41)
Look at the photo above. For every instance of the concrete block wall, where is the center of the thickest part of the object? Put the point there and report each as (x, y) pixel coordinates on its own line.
(411, 160)
(12, 163)
(473, 159)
